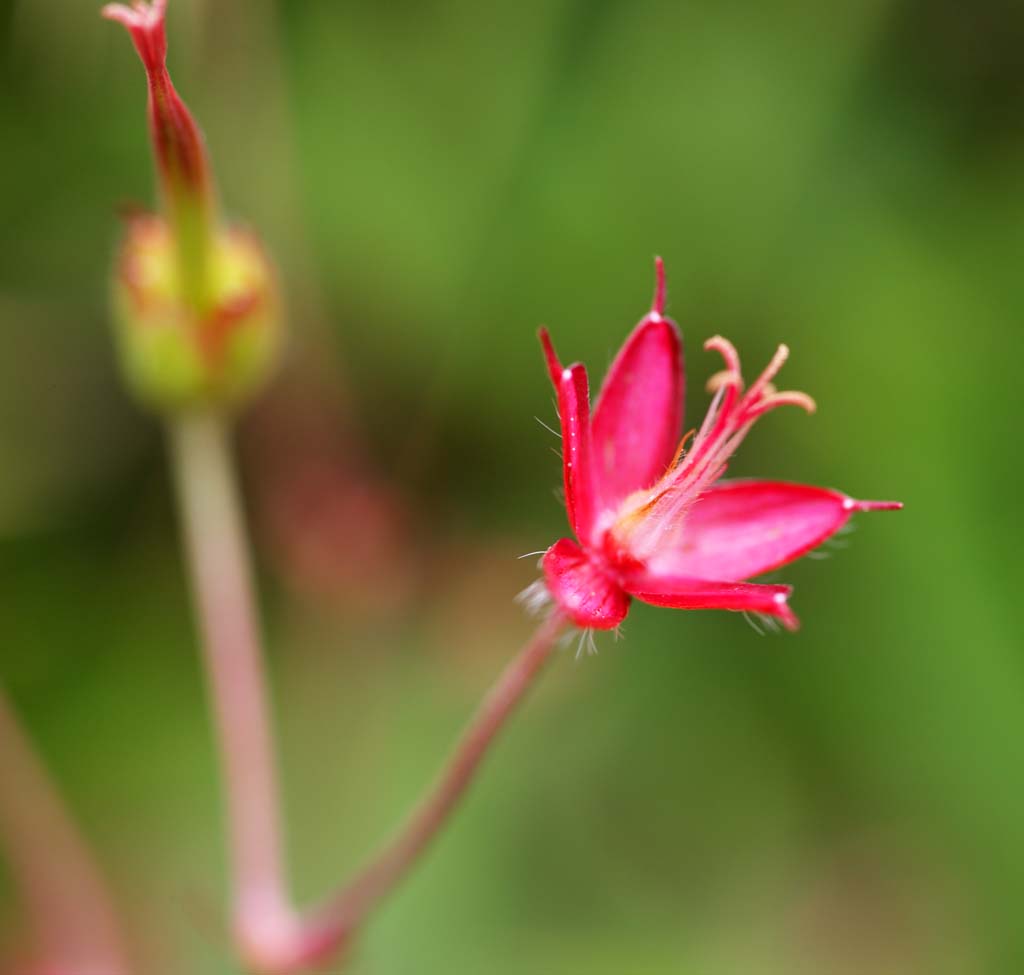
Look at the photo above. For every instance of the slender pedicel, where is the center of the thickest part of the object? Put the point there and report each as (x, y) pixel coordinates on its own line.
(219, 562)
(272, 935)
(328, 931)
(346, 912)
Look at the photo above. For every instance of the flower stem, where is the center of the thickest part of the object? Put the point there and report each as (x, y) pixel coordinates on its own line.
(271, 935)
(331, 928)
(69, 912)
(219, 558)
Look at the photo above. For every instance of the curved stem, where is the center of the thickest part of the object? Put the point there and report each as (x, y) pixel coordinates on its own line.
(332, 926)
(271, 935)
(69, 911)
(219, 558)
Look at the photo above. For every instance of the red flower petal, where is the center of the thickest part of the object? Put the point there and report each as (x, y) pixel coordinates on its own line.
(638, 416)
(574, 412)
(739, 529)
(584, 592)
(682, 593)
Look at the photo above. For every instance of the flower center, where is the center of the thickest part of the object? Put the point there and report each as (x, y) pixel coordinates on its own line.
(652, 518)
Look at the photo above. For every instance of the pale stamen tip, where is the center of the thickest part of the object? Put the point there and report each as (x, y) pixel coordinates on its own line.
(726, 350)
(770, 372)
(805, 402)
(725, 377)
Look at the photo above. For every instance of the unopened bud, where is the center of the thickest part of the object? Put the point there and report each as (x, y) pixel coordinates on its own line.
(175, 356)
(197, 308)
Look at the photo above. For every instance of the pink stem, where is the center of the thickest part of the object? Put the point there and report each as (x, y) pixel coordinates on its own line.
(332, 926)
(69, 912)
(271, 935)
(215, 538)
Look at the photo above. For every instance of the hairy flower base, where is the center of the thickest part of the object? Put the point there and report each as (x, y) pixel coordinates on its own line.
(176, 357)
(652, 519)
(598, 597)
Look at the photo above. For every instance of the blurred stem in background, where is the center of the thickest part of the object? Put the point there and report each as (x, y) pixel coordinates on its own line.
(70, 914)
(271, 935)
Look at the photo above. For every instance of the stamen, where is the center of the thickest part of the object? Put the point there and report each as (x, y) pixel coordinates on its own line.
(770, 372)
(680, 450)
(710, 417)
(720, 412)
(674, 500)
(657, 517)
(733, 387)
(714, 466)
(722, 379)
(727, 351)
(789, 397)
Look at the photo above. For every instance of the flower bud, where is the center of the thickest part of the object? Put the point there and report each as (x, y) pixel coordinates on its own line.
(176, 356)
(196, 303)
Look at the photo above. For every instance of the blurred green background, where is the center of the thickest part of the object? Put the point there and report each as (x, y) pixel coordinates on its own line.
(437, 179)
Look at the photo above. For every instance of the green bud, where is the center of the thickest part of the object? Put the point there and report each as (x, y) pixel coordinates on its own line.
(175, 355)
(196, 303)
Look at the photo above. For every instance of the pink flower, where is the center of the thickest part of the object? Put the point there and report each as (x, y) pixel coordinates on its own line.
(651, 516)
